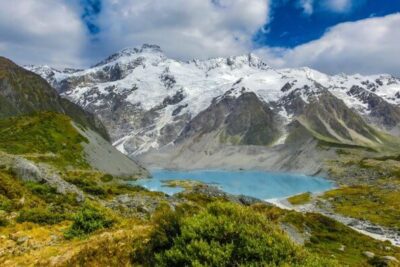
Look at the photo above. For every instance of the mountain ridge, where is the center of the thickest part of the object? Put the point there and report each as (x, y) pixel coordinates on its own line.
(147, 100)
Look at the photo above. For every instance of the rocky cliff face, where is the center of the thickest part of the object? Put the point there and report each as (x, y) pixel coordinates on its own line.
(150, 103)
(245, 120)
(382, 112)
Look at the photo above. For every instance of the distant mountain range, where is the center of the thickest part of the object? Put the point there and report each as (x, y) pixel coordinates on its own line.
(234, 112)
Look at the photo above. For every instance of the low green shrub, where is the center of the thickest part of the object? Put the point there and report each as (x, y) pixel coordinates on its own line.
(42, 190)
(300, 199)
(86, 221)
(87, 184)
(106, 178)
(40, 216)
(119, 189)
(3, 220)
(94, 190)
(5, 203)
(60, 203)
(14, 195)
(379, 262)
(81, 181)
(224, 234)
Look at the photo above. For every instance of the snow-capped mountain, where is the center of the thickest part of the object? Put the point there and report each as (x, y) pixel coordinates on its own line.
(151, 103)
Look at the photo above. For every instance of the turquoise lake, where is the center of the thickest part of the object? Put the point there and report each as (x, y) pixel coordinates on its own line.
(259, 184)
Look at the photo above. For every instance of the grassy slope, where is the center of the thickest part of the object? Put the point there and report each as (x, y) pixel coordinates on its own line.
(370, 203)
(332, 239)
(370, 187)
(329, 238)
(37, 212)
(45, 136)
(23, 93)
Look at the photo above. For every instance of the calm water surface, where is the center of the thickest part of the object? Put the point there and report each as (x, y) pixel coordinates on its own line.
(262, 185)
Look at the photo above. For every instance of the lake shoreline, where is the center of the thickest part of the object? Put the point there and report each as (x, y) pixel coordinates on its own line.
(258, 184)
(363, 227)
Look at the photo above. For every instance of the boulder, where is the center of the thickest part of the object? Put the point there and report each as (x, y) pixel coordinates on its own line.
(27, 170)
(369, 254)
(390, 259)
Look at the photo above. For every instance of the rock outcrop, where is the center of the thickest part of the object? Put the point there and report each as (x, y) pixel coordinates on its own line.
(27, 170)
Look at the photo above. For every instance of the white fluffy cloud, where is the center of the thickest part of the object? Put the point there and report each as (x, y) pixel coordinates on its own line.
(52, 32)
(44, 31)
(184, 29)
(365, 46)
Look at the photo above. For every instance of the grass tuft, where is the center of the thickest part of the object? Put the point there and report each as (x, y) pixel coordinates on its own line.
(300, 199)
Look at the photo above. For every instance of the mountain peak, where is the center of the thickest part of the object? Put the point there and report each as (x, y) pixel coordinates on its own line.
(250, 59)
(151, 48)
(131, 51)
(145, 48)
(233, 62)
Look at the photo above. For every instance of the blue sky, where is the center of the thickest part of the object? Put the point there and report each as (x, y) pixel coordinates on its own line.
(292, 24)
(90, 10)
(330, 35)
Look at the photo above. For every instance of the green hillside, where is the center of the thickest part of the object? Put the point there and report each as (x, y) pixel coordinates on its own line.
(46, 136)
(23, 92)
